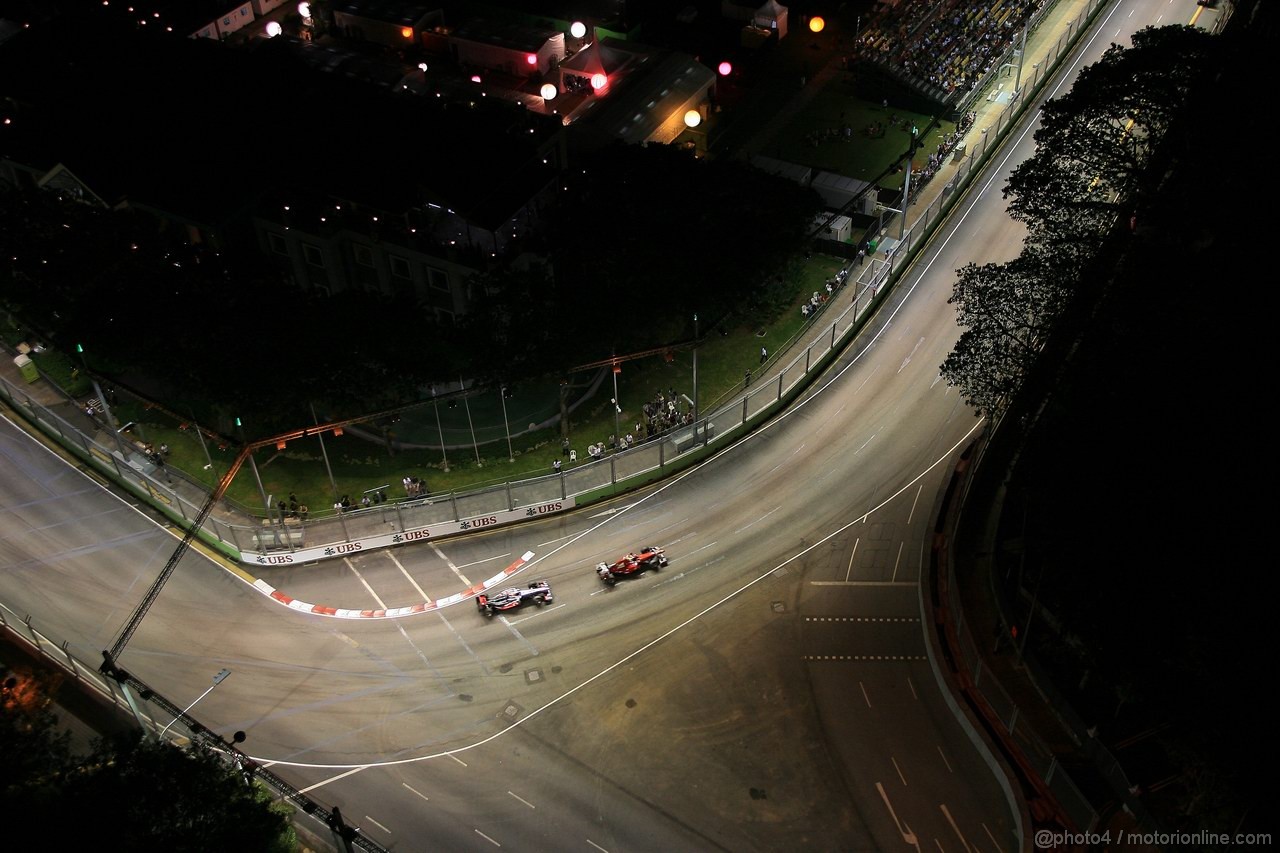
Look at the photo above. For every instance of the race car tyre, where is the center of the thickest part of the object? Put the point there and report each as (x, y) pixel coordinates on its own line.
(540, 600)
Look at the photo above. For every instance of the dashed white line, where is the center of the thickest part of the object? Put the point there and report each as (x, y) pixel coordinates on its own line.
(375, 823)
(854, 553)
(993, 839)
(696, 550)
(404, 572)
(597, 846)
(899, 769)
(914, 502)
(944, 760)
(534, 614)
(862, 618)
(522, 799)
(487, 838)
(360, 578)
(449, 563)
(419, 793)
(897, 562)
(913, 689)
(487, 560)
(457, 759)
(864, 694)
(519, 636)
(955, 828)
(758, 520)
(864, 657)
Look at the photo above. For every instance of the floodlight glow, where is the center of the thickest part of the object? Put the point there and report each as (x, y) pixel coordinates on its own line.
(274, 29)
(531, 59)
(548, 91)
(725, 68)
(598, 81)
(577, 29)
(816, 24)
(692, 118)
(304, 9)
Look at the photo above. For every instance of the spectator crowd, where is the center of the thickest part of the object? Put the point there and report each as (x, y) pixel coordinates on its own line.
(948, 46)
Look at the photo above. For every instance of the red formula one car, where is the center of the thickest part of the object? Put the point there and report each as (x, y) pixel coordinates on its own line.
(648, 557)
(538, 592)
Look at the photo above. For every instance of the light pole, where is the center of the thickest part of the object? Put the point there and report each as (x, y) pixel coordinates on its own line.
(502, 393)
(695, 375)
(1022, 58)
(906, 184)
(333, 484)
(200, 435)
(462, 389)
(106, 407)
(617, 409)
(218, 678)
(266, 502)
(440, 429)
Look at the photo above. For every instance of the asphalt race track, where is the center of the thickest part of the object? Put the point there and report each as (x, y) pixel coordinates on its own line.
(769, 690)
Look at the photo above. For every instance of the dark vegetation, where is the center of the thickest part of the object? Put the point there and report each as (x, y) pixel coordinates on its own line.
(1117, 367)
(141, 795)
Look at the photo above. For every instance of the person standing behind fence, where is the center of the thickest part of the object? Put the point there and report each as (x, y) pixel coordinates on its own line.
(764, 355)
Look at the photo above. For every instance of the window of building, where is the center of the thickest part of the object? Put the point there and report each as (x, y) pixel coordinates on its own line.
(400, 267)
(314, 256)
(437, 279)
(278, 244)
(364, 256)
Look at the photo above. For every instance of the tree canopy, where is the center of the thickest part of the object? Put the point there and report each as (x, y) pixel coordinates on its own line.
(1095, 144)
(1095, 162)
(145, 795)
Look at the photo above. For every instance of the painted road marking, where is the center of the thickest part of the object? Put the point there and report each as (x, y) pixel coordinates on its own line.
(485, 560)
(405, 572)
(522, 799)
(456, 570)
(862, 618)
(862, 657)
(955, 828)
(351, 566)
(849, 570)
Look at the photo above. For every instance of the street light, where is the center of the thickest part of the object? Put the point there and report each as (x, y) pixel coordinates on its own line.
(695, 376)
(218, 678)
(266, 501)
(906, 184)
(617, 409)
(504, 392)
(440, 429)
(463, 389)
(106, 407)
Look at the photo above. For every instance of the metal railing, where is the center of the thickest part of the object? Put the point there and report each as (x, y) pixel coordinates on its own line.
(163, 719)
